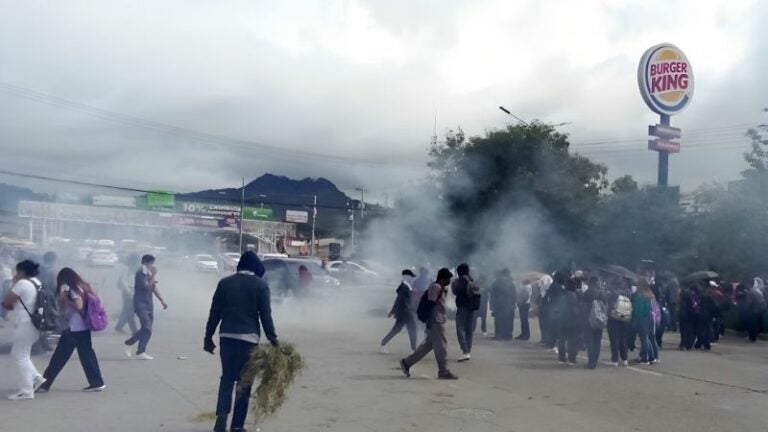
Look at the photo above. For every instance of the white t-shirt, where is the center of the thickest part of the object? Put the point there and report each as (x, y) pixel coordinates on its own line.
(27, 293)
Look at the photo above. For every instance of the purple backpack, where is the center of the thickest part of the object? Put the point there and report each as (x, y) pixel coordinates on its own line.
(95, 315)
(655, 312)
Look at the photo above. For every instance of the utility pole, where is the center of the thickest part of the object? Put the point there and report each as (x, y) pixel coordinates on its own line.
(362, 202)
(242, 207)
(312, 249)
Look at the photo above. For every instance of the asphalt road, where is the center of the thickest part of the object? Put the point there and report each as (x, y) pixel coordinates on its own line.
(348, 386)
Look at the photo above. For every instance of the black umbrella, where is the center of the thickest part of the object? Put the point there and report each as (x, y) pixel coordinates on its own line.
(618, 270)
(700, 276)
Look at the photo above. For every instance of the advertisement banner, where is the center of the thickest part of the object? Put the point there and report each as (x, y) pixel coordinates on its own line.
(226, 210)
(114, 201)
(257, 213)
(209, 222)
(161, 200)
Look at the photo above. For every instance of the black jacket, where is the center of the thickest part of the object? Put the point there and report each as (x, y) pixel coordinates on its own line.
(403, 309)
(240, 301)
(503, 297)
(460, 289)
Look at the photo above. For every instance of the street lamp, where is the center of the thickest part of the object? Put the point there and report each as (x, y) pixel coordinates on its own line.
(514, 116)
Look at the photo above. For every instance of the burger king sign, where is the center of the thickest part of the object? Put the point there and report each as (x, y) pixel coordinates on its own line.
(665, 78)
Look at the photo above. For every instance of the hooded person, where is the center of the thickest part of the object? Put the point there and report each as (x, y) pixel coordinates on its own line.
(467, 295)
(242, 305)
(402, 310)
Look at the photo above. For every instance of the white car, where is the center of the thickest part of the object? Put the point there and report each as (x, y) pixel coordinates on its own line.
(102, 258)
(83, 253)
(106, 243)
(350, 271)
(231, 260)
(206, 263)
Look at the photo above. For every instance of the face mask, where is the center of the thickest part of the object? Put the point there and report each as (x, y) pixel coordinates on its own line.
(407, 279)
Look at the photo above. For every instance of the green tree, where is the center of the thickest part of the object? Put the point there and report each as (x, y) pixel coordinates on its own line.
(624, 184)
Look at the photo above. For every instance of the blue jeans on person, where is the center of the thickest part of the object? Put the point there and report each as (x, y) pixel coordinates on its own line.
(465, 319)
(234, 356)
(649, 349)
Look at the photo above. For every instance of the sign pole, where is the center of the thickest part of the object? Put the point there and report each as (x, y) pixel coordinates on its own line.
(663, 175)
(314, 218)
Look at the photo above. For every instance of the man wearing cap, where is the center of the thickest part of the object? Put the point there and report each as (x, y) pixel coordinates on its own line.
(435, 339)
(402, 310)
(145, 288)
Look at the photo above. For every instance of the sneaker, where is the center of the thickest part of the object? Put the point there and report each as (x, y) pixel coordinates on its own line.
(131, 341)
(625, 363)
(615, 364)
(21, 396)
(383, 350)
(129, 353)
(464, 358)
(554, 350)
(406, 370)
(570, 363)
(144, 356)
(91, 389)
(655, 362)
(561, 362)
(39, 381)
(485, 334)
(447, 376)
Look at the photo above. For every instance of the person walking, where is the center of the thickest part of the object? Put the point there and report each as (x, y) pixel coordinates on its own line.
(552, 305)
(482, 313)
(145, 288)
(47, 278)
(756, 305)
(402, 310)
(644, 320)
(20, 300)
(502, 304)
(420, 286)
(467, 295)
(523, 296)
(72, 292)
(619, 318)
(125, 284)
(593, 309)
(540, 298)
(435, 321)
(240, 303)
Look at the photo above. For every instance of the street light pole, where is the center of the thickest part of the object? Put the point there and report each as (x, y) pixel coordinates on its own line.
(242, 205)
(314, 220)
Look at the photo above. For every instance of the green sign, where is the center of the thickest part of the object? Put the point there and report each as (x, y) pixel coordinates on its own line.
(161, 200)
(257, 213)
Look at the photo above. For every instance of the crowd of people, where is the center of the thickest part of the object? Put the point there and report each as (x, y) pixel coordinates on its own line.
(42, 304)
(574, 310)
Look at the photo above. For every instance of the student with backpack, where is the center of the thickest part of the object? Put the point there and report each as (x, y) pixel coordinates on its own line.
(21, 300)
(79, 303)
(467, 294)
(569, 335)
(594, 320)
(432, 312)
(690, 309)
(619, 318)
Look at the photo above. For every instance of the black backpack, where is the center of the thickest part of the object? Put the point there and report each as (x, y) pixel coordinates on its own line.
(426, 308)
(45, 315)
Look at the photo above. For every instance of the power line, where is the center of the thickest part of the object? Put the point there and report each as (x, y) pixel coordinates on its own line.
(249, 200)
(138, 122)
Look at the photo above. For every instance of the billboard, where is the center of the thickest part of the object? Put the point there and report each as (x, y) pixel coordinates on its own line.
(161, 201)
(665, 78)
(257, 213)
(296, 216)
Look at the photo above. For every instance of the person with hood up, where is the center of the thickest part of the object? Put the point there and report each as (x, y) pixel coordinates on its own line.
(502, 303)
(467, 294)
(593, 334)
(523, 297)
(402, 311)
(690, 309)
(619, 295)
(241, 302)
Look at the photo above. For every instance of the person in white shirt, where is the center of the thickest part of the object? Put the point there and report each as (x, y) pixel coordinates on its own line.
(21, 301)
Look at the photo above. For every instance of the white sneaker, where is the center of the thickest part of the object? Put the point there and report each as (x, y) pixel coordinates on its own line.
(554, 350)
(144, 356)
(39, 381)
(129, 353)
(464, 358)
(625, 363)
(615, 364)
(383, 350)
(21, 396)
(485, 334)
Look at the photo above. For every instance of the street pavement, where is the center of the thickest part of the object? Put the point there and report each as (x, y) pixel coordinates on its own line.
(349, 386)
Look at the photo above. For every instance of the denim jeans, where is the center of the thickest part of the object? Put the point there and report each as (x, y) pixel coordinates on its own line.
(234, 356)
(465, 319)
(126, 315)
(617, 334)
(69, 341)
(525, 327)
(649, 349)
(593, 339)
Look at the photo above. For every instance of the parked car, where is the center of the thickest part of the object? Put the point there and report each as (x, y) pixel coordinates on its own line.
(229, 261)
(282, 274)
(102, 258)
(205, 263)
(83, 253)
(350, 271)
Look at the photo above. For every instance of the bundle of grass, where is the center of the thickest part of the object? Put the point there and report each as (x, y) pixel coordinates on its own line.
(276, 368)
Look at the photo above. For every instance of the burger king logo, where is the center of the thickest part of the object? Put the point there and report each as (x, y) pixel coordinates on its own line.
(665, 78)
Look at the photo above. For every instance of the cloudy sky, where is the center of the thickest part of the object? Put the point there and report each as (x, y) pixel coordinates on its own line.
(185, 95)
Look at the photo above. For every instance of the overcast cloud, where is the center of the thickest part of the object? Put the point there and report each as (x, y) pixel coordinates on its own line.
(359, 82)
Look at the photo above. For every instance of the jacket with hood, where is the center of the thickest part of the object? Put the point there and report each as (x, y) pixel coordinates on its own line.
(503, 296)
(402, 310)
